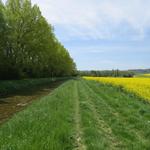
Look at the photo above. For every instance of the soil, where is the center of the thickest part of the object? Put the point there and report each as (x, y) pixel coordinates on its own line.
(11, 104)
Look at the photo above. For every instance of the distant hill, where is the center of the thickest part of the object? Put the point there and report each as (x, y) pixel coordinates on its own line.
(140, 71)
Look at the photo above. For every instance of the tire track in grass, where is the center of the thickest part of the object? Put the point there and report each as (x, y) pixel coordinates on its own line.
(116, 142)
(101, 126)
(119, 117)
(79, 142)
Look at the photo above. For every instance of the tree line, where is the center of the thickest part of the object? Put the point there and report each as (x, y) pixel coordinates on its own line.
(107, 73)
(28, 45)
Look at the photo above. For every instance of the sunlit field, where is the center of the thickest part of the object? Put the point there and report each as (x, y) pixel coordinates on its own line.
(139, 86)
(146, 75)
(74, 75)
(143, 75)
(80, 115)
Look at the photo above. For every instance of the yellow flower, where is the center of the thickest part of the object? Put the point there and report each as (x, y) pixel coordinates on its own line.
(139, 86)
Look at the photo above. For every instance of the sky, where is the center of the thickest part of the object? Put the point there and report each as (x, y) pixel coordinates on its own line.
(102, 34)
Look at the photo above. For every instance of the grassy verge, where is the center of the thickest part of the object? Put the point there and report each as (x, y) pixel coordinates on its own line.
(14, 86)
(80, 115)
(45, 125)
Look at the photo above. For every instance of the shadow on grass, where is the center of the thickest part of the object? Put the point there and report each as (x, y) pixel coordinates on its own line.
(12, 103)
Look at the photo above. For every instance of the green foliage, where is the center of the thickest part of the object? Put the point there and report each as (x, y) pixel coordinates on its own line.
(30, 47)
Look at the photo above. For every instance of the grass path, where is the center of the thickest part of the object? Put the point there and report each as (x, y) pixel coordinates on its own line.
(126, 116)
(98, 134)
(80, 115)
(102, 126)
(79, 133)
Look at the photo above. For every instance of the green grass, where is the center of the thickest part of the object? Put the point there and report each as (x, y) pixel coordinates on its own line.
(47, 124)
(80, 115)
(117, 120)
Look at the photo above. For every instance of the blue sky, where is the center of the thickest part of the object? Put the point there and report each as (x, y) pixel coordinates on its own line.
(102, 34)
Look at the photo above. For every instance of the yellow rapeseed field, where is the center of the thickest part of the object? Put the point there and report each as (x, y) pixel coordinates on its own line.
(139, 86)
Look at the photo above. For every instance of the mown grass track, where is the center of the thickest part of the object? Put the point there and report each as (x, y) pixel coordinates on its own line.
(80, 115)
(121, 120)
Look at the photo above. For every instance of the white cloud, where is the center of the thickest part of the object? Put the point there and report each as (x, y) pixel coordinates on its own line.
(98, 19)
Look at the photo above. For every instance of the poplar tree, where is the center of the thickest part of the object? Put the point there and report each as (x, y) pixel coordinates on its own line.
(28, 45)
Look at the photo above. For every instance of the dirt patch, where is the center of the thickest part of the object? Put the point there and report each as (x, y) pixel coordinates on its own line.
(11, 104)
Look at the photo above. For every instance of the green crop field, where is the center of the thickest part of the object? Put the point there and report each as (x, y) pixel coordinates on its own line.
(143, 75)
(80, 115)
